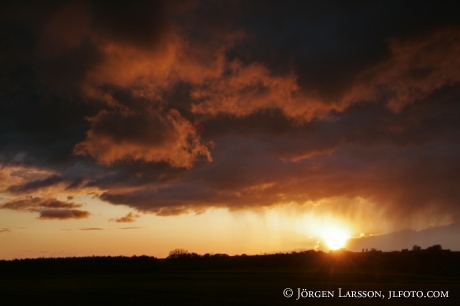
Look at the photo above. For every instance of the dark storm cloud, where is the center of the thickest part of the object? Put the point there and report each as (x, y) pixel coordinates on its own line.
(142, 24)
(174, 107)
(328, 43)
(49, 49)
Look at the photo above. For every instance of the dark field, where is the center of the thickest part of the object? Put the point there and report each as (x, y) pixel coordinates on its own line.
(241, 287)
(191, 279)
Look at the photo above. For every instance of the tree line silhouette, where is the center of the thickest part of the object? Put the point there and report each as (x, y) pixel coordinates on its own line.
(433, 260)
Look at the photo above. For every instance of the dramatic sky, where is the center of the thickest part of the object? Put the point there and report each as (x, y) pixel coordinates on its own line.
(138, 127)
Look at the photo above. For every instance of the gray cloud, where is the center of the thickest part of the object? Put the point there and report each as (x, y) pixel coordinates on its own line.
(63, 214)
(35, 204)
(443, 235)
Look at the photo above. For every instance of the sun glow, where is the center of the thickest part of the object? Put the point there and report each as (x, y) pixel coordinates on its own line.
(335, 237)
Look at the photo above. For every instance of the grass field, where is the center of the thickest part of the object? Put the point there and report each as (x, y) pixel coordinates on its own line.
(235, 287)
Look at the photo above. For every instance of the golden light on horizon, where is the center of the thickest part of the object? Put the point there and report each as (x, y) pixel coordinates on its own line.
(335, 237)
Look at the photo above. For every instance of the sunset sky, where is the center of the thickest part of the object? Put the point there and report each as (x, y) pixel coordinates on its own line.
(139, 127)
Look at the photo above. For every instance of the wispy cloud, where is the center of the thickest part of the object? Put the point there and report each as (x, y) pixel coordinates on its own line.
(130, 217)
(47, 208)
(128, 228)
(35, 204)
(63, 214)
(91, 229)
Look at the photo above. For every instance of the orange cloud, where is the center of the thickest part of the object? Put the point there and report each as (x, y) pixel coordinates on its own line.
(42, 183)
(163, 133)
(245, 89)
(150, 136)
(415, 69)
(419, 67)
(18, 175)
(130, 217)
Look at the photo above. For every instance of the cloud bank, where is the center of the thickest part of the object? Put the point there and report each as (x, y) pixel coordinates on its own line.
(176, 107)
(47, 208)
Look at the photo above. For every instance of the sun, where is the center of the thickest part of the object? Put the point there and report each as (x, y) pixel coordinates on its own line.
(335, 237)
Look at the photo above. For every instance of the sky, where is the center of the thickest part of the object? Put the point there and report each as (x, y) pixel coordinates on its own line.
(139, 127)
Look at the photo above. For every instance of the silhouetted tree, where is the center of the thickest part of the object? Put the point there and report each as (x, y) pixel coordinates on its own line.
(176, 253)
(435, 248)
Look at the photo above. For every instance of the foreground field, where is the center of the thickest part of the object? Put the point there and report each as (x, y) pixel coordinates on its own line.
(222, 287)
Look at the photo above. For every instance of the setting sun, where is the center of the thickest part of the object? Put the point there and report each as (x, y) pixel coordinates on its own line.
(335, 237)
